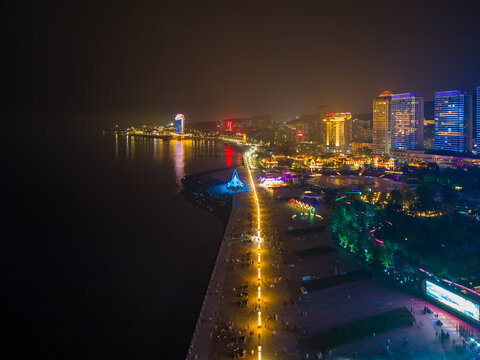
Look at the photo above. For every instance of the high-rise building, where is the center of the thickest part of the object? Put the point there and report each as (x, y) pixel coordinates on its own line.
(381, 123)
(478, 119)
(179, 124)
(406, 121)
(337, 125)
(453, 121)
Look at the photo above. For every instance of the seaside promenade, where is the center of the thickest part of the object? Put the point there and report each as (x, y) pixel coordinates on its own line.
(213, 307)
(206, 322)
(240, 314)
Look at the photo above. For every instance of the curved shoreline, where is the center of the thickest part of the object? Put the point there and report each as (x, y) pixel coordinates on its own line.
(204, 328)
(194, 189)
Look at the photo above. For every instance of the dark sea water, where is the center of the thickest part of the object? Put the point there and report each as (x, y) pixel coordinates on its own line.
(103, 256)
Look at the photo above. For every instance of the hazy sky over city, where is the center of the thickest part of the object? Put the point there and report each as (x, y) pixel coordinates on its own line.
(142, 62)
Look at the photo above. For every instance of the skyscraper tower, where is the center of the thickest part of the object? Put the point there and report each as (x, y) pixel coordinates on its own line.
(478, 118)
(179, 123)
(406, 121)
(453, 121)
(381, 123)
(336, 125)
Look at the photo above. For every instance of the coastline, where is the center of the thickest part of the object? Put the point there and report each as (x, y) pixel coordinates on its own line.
(194, 190)
(204, 327)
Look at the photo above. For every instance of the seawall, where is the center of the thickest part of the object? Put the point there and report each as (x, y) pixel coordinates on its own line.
(205, 325)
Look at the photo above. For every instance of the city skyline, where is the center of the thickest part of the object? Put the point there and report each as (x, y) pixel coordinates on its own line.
(452, 125)
(368, 115)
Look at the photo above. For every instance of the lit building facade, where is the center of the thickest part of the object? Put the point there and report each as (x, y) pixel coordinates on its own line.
(453, 121)
(337, 125)
(179, 123)
(406, 121)
(478, 118)
(381, 123)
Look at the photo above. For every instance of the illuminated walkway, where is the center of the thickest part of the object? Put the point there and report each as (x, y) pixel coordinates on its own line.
(217, 308)
(259, 241)
(248, 288)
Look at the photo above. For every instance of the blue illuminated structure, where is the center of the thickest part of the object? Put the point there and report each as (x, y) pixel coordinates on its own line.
(227, 190)
(453, 121)
(179, 124)
(406, 121)
(478, 118)
(453, 301)
(235, 183)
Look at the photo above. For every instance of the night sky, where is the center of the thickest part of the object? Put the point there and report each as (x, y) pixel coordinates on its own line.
(142, 62)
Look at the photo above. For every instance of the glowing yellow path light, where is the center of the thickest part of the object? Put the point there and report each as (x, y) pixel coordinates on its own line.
(254, 192)
(248, 155)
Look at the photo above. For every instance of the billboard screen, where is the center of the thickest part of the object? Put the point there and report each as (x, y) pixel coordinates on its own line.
(457, 302)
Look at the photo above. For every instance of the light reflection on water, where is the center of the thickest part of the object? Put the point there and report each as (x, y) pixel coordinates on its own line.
(179, 160)
(155, 149)
(130, 147)
(148, 214)
(184, 156)
(116, 147)
(124, 247)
